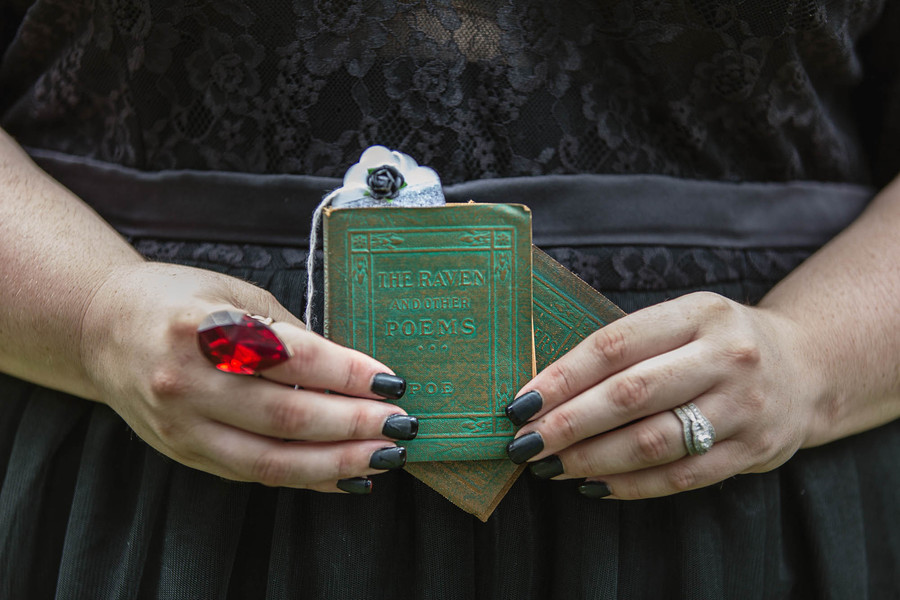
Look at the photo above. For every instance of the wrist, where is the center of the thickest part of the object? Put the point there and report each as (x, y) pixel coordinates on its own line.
(101, 326)
(807, 381)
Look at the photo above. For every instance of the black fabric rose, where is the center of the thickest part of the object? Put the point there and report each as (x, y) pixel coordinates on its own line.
(385, 182)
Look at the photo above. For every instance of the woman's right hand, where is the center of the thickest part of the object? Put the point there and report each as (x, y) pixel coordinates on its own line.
(85, 314)
(139, 347)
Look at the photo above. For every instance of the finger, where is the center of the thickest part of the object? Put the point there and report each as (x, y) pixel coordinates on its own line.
(622, 343)
(244, 456)
(689, 473)
(274, 410)
(656, 440)
(320, 363)
(654, 385)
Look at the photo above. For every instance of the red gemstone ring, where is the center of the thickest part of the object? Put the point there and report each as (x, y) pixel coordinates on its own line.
(236, 342)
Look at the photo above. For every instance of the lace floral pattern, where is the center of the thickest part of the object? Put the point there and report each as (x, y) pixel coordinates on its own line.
(724, 90)
(633, 276)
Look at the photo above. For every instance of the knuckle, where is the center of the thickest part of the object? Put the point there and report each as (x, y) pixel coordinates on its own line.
(191, 456)
(681, 477)
(581, 462)
(753, 403)
(193, 452)
(167, 382)
(832, 409)
(744, 352)
(715, 303)
(630, 488)
(765, 450)
(169, 430)
(271, 469)
(356, 376)
(267, 300)
(304, 357)
(610, 343)
(289, 417)
(561, 379)
(249, 297)
(650, 445)
(183, 326)
(346, 464)
(358, 425)
(764, 445)
(565, 426)
(629, 393)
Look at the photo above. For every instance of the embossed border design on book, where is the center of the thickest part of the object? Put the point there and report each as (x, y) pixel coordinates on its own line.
(566, 309)
(366, 246)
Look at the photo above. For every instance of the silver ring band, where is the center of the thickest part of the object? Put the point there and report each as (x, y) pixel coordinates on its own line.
(699, 433)
(686, 426)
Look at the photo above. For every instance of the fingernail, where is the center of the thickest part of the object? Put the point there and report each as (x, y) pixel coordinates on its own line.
(388, 386)
(393, 457)
(524, 407)
(400, 427)
(355, 485)
(523, 448)
(547, 467)
(594, 489)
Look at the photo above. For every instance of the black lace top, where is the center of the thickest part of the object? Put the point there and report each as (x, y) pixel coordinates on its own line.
(769, 90)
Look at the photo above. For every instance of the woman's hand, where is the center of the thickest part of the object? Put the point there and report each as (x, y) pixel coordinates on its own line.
(605, 409)
(815, 361)
(85, 314)
(140, 347)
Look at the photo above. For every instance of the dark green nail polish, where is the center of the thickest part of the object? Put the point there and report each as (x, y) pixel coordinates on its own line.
(523, 448)
(547, 468)
(400, 427)
(594, 489)
(393, 457)
(388, 386)
(524, 407)
(355, 485)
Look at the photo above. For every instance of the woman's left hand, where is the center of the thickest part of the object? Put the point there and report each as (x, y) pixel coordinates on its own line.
(605, 409)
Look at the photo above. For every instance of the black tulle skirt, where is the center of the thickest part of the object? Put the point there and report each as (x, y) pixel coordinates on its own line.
(88, 510)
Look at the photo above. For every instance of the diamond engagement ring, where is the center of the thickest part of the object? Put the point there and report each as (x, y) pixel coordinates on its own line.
(699, 434)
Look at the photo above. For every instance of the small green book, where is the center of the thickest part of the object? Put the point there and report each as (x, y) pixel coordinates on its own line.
(442, 295)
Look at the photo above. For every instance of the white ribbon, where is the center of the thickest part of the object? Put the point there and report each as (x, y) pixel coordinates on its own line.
(421, 187)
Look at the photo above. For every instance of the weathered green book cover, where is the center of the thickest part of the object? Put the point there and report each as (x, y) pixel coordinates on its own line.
(443, 296)
(566, 310)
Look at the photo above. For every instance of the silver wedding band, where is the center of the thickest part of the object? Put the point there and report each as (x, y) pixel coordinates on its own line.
(699, 433)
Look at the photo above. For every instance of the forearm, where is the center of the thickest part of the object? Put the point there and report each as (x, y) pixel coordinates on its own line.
(846, 301)
(55, 252)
